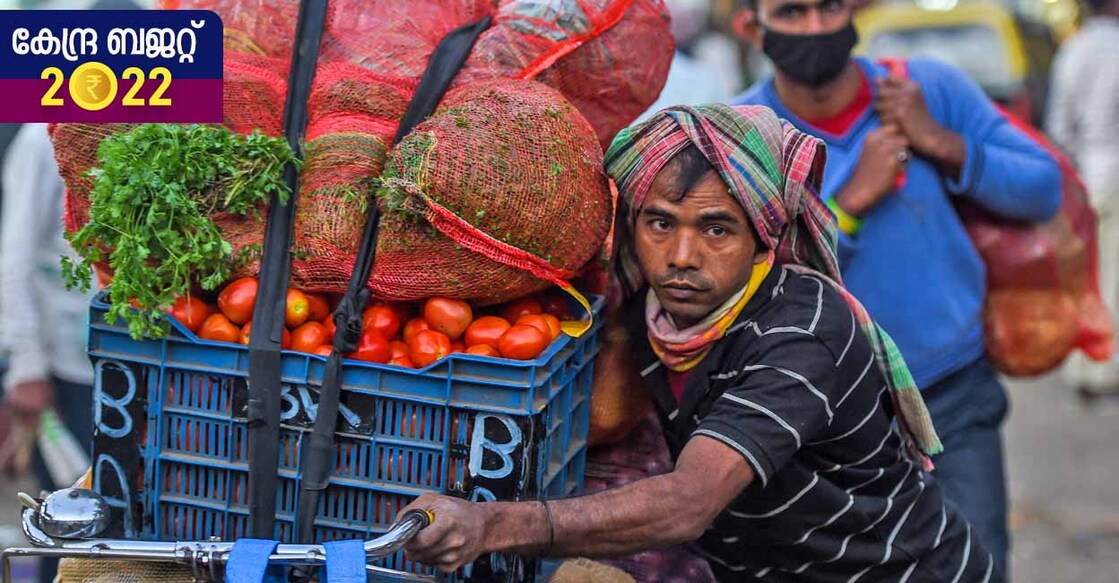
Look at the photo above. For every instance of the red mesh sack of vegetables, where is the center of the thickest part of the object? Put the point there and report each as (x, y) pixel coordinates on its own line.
(75, 150)
(253, 96)
(354, 114)
(1043, 296)
(255, 27)
(498, 194)
(393, 38)
(608, 57)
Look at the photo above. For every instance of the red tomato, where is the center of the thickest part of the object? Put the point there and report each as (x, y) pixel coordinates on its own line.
(555, 305)
(218, 327)
(324, 350)
(458, 346)
(518, 309)
(308, 337)
(403, 361)
(285, 338)
(298, 309)
(328, 324)
(413, 327)
(451, 317)
(399, 349)
(238, 299)
(483, 350)
(190, 312)
(382, 319)
(553, 324)
(486, 330)
(320, 308)
(403, 310)
(523, 342)
(546, 323)
(374, 347)
(429, 346)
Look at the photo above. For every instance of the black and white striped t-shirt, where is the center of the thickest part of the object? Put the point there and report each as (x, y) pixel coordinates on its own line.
(795, 389)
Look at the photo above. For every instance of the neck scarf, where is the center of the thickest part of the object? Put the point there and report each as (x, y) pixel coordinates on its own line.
(774, 171)
(682, 350)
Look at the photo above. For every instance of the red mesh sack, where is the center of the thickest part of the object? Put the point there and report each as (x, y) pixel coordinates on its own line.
(372, 57)
(75, 151)
(394, 38)
(256, 27)
(354, 114)
(475, 197)
(1043, 296)
(608, 57)
(253, 98)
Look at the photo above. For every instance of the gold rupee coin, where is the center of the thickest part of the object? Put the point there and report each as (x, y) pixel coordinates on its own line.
(93, 86)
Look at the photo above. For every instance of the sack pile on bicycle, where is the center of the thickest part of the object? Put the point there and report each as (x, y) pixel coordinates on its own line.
(507, 173)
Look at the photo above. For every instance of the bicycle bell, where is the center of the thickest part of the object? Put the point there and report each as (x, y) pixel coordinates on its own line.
(73, 513)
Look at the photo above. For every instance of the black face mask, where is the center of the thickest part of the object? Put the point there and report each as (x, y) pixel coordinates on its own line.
(811, 59)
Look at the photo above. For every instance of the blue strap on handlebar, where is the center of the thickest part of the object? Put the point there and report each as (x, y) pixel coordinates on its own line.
(345, 561)
(248, 562)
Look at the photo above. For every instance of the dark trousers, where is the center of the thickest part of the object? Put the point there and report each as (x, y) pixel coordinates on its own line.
(968, 408)
(74, 404)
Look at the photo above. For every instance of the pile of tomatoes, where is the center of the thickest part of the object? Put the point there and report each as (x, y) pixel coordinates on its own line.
(412, 335)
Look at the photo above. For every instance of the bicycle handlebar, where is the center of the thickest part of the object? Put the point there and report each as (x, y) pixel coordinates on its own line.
(209, 555)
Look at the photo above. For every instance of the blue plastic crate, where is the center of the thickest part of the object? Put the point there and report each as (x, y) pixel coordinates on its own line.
(171, 446)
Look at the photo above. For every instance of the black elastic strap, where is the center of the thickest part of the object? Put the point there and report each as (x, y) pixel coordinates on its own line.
(268, 315)
(441, 70)
(318, 452)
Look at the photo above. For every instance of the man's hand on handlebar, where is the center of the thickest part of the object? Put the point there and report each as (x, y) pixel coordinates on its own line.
(455, 537)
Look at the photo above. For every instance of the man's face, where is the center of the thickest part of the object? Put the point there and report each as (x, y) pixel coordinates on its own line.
(696, 251)
(801, 17)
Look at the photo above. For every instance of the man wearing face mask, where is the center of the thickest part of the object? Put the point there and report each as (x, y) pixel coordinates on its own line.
(899, 151)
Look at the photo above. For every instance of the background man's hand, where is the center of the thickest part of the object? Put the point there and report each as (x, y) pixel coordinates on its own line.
(453, 539)
(884, 153)
(23, 404)
(17, 443)
(32, 397)
(901, 103)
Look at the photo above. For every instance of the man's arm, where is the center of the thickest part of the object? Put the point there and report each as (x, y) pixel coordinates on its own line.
(781, 398)
(982, 156)
(30, 179)
(653, 512)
